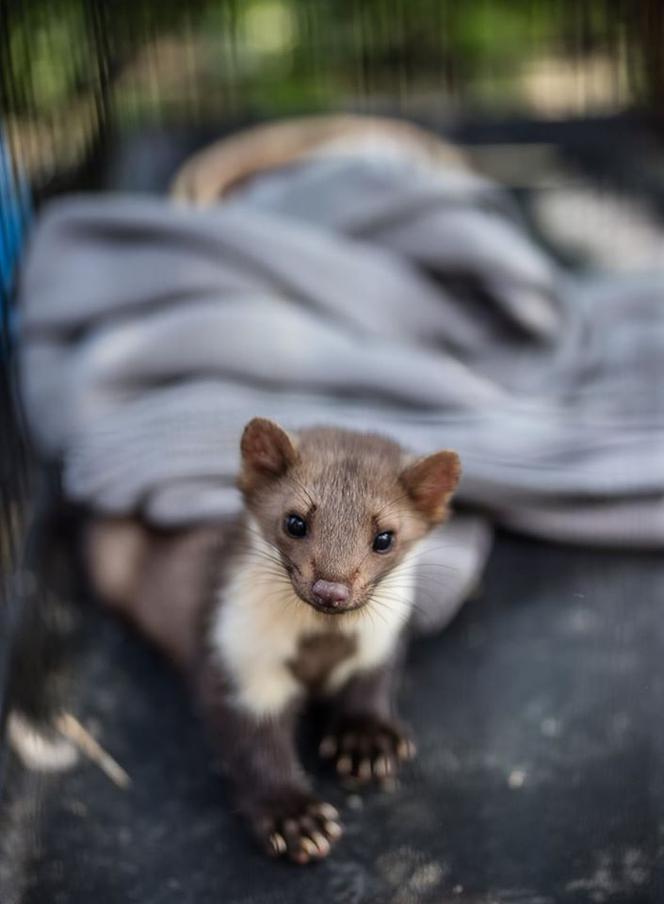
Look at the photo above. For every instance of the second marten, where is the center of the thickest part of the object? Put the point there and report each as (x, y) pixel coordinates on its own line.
(308, 593)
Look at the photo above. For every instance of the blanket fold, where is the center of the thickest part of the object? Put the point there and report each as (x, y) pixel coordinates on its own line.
(367, 282)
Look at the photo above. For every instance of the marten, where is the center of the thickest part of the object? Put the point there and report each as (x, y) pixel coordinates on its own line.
(308, 593)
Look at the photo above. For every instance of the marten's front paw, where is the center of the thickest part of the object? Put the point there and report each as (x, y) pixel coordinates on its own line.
(296, 825)
(367, 747)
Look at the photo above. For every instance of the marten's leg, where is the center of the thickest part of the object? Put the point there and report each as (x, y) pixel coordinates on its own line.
(365, 740)
(270, 787)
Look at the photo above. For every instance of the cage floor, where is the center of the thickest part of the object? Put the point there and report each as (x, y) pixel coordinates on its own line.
(540, 775)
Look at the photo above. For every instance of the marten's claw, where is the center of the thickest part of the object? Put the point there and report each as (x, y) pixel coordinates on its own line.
(298, 826)
(368, 747)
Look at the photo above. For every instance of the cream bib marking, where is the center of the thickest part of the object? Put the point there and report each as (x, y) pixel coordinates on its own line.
(258, 628)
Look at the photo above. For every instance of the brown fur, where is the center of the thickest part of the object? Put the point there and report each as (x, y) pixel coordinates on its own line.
(159, 580)
(317, 656)
(348, 487)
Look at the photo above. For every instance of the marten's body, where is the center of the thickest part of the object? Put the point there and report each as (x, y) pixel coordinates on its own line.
(307, 593)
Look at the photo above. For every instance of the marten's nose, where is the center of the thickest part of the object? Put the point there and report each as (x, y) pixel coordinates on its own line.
(330, 593)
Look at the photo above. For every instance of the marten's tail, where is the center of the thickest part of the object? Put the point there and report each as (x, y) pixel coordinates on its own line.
(158, 580)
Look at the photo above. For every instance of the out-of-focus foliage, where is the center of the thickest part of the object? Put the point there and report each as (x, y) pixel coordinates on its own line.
(70, 67)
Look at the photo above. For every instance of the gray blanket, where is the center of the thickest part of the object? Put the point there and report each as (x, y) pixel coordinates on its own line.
(356, 289)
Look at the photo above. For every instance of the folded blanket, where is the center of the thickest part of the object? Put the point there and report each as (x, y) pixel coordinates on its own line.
(360, 276)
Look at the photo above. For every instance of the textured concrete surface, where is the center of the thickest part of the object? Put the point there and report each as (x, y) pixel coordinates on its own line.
(540, 776)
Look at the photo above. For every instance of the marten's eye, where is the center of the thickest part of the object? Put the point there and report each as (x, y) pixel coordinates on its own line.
(295, 526)
(383, 541)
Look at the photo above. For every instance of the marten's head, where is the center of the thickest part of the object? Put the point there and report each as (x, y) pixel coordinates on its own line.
(339, 510)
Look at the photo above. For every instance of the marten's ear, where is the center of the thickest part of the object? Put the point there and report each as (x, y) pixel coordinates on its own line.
(267, 452)
(431, 481)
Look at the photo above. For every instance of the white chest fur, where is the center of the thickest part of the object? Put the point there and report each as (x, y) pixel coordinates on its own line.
(260, 623)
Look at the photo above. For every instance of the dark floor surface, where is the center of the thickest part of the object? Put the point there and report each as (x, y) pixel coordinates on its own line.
(540, 775)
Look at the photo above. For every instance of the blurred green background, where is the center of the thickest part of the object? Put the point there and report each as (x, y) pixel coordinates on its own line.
(73, 68)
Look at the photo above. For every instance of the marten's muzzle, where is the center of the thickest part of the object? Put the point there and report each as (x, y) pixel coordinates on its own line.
(331, 596)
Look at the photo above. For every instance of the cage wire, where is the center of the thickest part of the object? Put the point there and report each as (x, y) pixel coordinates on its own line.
(77, 74)
(75, 71)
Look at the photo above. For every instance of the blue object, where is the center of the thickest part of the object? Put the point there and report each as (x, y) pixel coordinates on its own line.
(14, 218)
